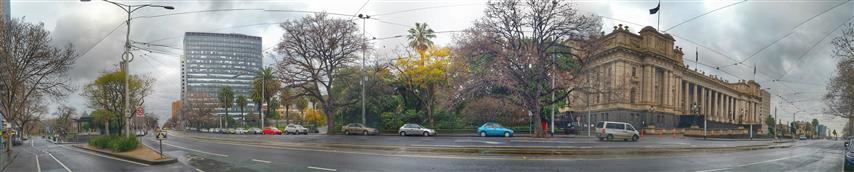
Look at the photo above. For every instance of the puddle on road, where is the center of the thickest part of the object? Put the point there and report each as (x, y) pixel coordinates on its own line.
(212, 165)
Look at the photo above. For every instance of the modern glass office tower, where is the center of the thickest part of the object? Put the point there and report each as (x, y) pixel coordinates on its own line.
(214, 60)
(5, 9)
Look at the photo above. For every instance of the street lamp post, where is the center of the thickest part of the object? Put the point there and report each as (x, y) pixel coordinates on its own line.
(127, 56)
(695, 108)
(364, 79)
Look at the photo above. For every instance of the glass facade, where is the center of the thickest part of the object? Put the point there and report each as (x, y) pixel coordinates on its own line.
(214, 60)
(5, 9)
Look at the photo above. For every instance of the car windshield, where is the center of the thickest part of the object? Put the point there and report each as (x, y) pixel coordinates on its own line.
(499, 85)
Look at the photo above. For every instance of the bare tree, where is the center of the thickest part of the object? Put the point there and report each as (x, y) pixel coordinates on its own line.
(30, 66)
(63, 122)
(199, 109)
(840, 90)
(522, 47)
(315, 48)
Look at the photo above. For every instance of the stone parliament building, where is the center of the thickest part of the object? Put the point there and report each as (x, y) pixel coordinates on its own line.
(641, 79)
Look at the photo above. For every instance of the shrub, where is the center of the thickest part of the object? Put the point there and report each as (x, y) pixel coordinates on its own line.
(115, 142)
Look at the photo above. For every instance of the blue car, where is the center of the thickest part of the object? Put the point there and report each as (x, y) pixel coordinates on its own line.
(494, 129)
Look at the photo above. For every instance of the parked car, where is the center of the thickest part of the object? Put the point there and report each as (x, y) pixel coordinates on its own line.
(357, 128)
(271, 131)
(255, 130)
(610, 130)
(296, 129)
(240, 131)
(415, 129)
(494, 129)
(849, 156)
(570, 129)
(802, 137)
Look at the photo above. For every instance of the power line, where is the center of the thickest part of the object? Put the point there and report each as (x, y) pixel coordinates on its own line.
(701, 15)
(425, 8)
(788, 34)
(800, 59)
(102, 39)
(238, 9)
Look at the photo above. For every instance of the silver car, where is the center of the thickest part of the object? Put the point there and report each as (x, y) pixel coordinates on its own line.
(415, 129)
(295, 129)
(610, 130)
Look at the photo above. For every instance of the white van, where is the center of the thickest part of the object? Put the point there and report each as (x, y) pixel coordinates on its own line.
(610, 130)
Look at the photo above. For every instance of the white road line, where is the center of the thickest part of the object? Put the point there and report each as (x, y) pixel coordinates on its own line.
(753, 163)
(60, 163)
(324, 169)
(258, 160)
(195, 150)
(38, 166)
(199, 170)
(108, 157)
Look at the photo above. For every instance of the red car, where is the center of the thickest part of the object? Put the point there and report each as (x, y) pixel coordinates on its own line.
(271, 130)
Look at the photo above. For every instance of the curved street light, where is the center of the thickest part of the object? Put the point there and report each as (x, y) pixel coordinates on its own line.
(127, 56)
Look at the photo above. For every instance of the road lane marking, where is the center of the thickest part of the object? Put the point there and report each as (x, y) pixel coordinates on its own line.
(195, 150)
(753, 163)
(38, 166)
(108, 157)
(199, 170)
(60, 162)
(258, 160)
(324, 169)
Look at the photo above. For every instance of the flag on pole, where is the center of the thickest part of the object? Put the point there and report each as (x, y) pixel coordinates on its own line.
(655, 10)
(754, 69)
(697, 56)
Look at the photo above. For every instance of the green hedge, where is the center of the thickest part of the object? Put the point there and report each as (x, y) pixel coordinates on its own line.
(114, 142)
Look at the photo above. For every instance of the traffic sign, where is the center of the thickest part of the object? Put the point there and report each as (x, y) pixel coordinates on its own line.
(140, 111)
(161, 135)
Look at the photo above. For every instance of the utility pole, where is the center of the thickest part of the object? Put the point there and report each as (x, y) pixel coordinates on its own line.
(775, 125)
(364, 79)
(127, 56)
(589, 87)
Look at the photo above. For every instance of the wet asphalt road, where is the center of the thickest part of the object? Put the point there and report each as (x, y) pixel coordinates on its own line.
(210, 156)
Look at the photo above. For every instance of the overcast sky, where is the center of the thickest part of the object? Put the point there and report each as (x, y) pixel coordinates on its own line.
(722, 38)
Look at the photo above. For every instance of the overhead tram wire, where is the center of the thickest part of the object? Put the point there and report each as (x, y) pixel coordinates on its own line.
(695, 43)
(102, 39)
(795, 29)
(239, 9)
(701, 15)
(708, 48)
(430, 7)
(800, 59)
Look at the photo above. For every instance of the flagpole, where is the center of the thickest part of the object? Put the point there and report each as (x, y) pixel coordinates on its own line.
(659, 15)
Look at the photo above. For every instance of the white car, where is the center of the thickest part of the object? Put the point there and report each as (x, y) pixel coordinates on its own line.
(295, 129)
(610, 130)
(255, 130)
(240, 131)
(415, 129)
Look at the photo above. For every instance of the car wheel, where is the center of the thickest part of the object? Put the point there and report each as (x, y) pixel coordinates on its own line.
(507, 134)
(426, 134)
(482, 134)
(365, 132)
(346, 132)
(610, 137)
(635, 138)
(402, 133)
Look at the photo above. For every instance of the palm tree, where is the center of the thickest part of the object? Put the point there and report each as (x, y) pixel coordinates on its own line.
(264, 79)
(419, 37)
(226, 98)
(241, 102)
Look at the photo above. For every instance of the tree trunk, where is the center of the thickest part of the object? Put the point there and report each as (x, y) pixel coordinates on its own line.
(226, 118)
(287, 120)
(429, 105)
(330, 120)
(535, 106)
